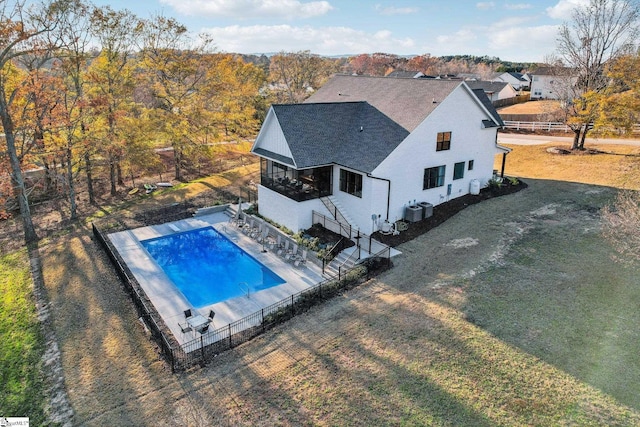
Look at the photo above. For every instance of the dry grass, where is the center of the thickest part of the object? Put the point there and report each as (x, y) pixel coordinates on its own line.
(532, 107)
(612, 165)
(521, 326)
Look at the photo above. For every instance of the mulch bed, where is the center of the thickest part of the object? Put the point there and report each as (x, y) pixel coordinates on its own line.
(444, 211)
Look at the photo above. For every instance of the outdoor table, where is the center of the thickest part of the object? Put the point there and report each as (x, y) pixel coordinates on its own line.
(197, 322)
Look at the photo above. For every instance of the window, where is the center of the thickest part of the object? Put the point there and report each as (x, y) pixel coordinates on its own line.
(443, 141)
(470, 167)
(351, 182)
(458, 170)
(433, 177)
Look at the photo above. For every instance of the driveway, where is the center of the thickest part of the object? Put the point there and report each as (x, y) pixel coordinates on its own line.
(517, 139)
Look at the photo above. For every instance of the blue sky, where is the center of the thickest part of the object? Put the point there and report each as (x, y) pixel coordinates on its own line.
(514, 30)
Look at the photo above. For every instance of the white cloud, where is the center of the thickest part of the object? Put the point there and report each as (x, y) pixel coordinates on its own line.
(485, 5)
(563, 9)
(240, 9)
(542, 37)
(458, 38)
(323, 41)
(395, 10)
(517, 6)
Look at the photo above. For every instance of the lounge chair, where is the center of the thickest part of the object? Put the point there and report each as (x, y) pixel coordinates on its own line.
(301, 260)
(292, 254)
(248, 227)
(284, 249)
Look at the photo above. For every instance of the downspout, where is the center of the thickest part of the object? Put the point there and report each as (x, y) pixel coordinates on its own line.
(388, 190)
(504, 158)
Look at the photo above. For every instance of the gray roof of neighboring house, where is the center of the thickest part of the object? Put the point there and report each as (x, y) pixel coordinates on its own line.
(406, 101)
(353, 134)
(518, 76)
(405, 74)
(492, 87)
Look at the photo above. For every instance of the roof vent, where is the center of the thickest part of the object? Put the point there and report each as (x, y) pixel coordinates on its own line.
(361, 128)
(433, 101)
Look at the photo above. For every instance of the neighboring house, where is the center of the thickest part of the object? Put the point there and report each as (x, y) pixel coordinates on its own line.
(406, 74)
(552, 83)
(373, 145)
(517, 80)
(495, 91)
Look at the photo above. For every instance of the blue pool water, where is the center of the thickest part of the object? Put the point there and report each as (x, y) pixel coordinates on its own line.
(207, 267)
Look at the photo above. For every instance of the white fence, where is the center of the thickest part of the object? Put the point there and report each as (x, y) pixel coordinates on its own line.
(551, 126)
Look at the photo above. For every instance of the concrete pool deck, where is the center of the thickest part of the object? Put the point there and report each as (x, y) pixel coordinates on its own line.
(169, 301)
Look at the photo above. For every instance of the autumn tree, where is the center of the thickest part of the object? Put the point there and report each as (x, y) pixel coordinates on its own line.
(377, 64)
(112, 81)
(619, 104)
(23, 31)
(295, 75)
(232, 94)
(598, 33)
(174, 79)
(73, 57)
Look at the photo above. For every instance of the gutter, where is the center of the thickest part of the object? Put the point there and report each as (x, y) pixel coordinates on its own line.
(388, 191)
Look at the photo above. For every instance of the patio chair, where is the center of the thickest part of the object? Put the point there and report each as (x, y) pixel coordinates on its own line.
(185, 328)
(204, 329)
(211, 314)
(187, 313)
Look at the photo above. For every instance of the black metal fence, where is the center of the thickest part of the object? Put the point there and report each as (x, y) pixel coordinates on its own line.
(202, 349)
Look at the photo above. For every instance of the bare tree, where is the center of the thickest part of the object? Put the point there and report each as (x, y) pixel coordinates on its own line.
(597, 33)
(23, 31)
(297, 74)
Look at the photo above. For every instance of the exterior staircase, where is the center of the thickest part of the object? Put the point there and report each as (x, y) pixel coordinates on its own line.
(344, 261)
(339, 213)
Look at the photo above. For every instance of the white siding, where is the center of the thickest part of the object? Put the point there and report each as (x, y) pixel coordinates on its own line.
(271, 137)
(294, 215)
(461, 115)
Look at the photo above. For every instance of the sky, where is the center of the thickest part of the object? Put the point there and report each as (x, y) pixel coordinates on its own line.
(513, 30)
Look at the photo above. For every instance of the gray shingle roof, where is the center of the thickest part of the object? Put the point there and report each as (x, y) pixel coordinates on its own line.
(484, 99)
(406, 101)
(487, 86)
(352, 134)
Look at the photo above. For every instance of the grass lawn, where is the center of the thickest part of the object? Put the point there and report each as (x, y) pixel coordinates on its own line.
(510, 313)
(21, 343)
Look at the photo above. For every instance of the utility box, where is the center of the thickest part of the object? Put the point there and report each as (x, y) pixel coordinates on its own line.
(413, 213)
(427, 209)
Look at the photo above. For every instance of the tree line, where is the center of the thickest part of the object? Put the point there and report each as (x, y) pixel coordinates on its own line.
(89, 93)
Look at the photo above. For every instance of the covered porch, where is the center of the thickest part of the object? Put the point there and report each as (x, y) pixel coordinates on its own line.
(299, 185)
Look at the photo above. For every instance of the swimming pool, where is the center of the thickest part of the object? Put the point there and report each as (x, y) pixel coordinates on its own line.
(207, 267)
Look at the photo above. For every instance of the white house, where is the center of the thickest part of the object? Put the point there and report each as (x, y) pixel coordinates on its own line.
(552, 83)
(517, 80)
(370, 146)
(495, 91)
